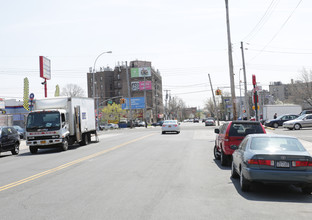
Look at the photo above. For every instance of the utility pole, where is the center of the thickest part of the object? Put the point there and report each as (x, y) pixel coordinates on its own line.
(230, 61)
(214, 100)
(166, 105)
(245, 83)
(129, 94)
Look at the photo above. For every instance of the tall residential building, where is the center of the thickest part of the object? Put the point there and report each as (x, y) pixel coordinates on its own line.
(113, 85)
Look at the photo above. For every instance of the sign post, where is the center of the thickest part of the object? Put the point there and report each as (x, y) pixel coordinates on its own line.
(254, 82)
(45, 72)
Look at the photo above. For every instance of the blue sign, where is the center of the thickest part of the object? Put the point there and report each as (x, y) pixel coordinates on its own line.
(31, 96)
(136, 103)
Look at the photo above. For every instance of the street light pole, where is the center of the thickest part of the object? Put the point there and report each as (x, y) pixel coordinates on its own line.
(93, 85)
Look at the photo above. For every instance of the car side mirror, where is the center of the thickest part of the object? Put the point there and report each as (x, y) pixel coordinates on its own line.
(234, 147)
(217, 130)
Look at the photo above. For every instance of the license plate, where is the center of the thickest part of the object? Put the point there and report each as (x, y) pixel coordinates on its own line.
(282, 164)
(169, 126)
(43, 142)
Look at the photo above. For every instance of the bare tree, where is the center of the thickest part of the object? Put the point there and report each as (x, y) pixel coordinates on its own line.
(210, 107)
(301, 91)
(73, 90)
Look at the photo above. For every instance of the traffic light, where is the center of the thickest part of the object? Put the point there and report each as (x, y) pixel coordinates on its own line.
(218, 92)
(122, 101)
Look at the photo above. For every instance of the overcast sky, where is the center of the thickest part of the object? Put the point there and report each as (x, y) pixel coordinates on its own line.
(184, 40)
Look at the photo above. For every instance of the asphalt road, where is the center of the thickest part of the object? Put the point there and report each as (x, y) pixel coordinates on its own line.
(138, 174)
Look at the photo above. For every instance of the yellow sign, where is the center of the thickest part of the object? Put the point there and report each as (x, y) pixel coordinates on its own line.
(26, 94)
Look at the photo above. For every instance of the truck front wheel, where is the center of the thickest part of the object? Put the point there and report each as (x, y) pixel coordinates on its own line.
(65, 145)
(33, 149)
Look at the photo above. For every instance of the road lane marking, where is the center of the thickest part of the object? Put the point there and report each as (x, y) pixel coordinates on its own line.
(44, 173)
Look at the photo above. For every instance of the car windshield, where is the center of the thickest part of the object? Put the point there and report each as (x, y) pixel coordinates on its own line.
(43, 120)
(276, 144)
(243, 129)
(301, 117)
(171, 122)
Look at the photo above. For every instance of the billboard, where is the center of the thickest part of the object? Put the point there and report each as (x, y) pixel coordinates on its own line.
(141, 72)
(136, 103)
(45, 67)
(139, 85)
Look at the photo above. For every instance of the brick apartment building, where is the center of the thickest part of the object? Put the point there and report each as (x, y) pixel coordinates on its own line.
(112, 84)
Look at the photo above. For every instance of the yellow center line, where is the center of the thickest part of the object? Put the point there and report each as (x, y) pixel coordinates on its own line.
(44, 173)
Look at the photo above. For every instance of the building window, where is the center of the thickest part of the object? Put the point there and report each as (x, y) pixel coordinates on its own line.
(118, 76)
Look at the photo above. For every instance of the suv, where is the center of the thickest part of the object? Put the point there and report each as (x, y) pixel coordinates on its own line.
(307, 111)
(9, 139)
(232, 133)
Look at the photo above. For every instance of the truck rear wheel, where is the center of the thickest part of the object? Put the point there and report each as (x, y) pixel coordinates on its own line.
(85, 140)
(33, 149)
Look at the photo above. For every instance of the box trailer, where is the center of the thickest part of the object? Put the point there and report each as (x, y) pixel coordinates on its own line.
(270, 110)
(59, 122)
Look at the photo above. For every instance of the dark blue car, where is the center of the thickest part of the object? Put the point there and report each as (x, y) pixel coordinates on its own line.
(280, 120)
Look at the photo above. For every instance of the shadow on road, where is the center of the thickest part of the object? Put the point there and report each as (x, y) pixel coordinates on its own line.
(273, 193)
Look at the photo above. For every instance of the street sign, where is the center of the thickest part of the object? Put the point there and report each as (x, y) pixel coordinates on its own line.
(31, 96)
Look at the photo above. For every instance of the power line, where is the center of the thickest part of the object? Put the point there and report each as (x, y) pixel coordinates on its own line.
(282, 26)
(262, 21)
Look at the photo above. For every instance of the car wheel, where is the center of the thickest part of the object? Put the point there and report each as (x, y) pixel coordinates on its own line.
(223, 158)
(275, 125)
(234, 174)
(244, 183)
(33, 149)
(15, 151)
(307, 190)
(216, 153)
(178, 132)
(65, 145)
(297, 126)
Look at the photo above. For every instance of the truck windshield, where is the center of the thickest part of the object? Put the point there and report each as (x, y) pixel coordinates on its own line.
(43, 120)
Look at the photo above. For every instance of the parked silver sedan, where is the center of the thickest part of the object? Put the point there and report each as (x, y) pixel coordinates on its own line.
(302, 121)
(272, 159)
(170, 126)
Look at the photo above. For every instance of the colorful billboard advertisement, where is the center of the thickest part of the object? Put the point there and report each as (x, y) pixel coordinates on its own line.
(141, 72)
(139, 85)
(148, 85)
(45, 67)
(136, 103)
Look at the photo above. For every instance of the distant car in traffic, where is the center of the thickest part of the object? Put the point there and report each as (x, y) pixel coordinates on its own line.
(280, 120)
(20, 131)
(209, 122)
(196, 120)
(232, 133)
(159, 123)
(109, 126)
(9, 139)
(276, 159)
(302, 121)
(170, 126)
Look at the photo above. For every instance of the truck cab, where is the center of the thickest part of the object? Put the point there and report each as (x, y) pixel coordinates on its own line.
(47, 129)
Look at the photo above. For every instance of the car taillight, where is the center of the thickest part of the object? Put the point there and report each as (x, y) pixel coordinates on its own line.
(301, 163)
(226, 137)
(164, 125)
(261, 162)
(175, 125)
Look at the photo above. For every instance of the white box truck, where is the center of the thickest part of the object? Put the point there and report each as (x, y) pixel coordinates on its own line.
(59, 122)
(270, 110)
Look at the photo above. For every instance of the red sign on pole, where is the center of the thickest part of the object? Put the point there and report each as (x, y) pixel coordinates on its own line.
(254, 82)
